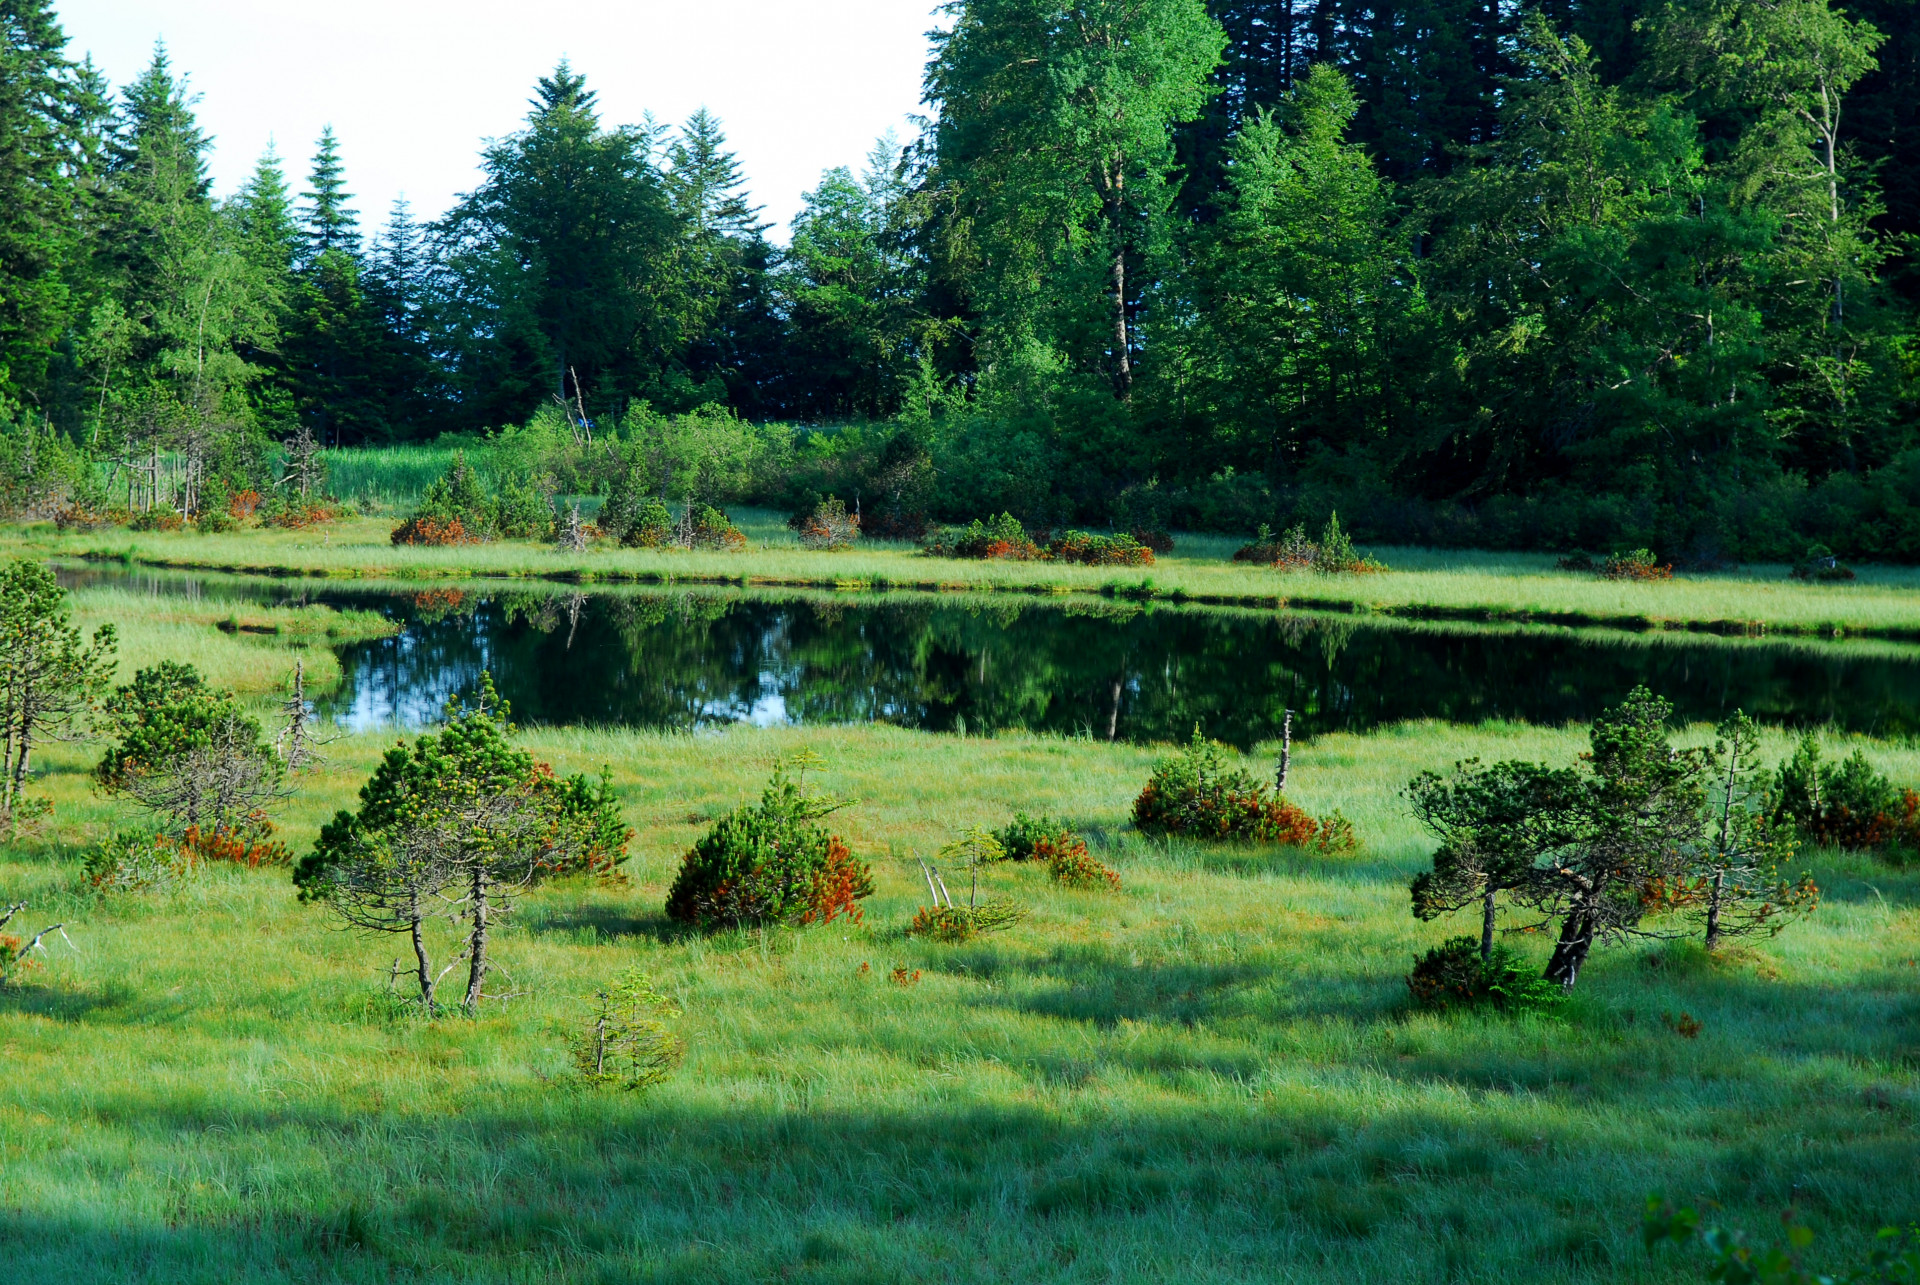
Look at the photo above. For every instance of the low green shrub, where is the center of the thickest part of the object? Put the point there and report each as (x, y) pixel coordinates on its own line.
(1024, 833)
(770, 862)
(156, 520)
(1635, 564)
(827, 525)
(1195, 793)
(1100, 550)
(1822, 566)
(1332, 554)
(1001, 537)
(1849, 805)
(459, 508)
(133, 861)
(1453, 975)
(963, 923)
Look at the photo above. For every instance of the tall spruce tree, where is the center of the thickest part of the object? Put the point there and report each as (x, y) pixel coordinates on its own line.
(38, 152)
(560, 266)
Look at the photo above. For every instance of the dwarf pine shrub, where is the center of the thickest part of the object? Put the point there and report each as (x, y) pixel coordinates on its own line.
(1196, 794)
(770, 862)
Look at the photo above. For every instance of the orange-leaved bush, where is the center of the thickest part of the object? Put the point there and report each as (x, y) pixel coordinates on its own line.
(1070, 865)
(1194, 793)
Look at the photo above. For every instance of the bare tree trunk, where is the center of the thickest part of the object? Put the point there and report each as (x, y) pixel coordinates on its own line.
(477, 943)
(1570, 952)
(1486, 927)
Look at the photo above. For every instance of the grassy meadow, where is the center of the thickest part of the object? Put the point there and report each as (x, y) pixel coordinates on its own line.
(1460, 585)
(1212, 1075)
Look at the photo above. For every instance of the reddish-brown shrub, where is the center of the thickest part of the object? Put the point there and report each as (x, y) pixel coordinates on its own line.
(1159, 541)
(1072, 866)
(251, 847)
(242, 506)
(297, 516)
(433, 531)
(838, 885)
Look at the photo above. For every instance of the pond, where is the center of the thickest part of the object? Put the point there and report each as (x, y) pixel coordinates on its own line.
(978, 664)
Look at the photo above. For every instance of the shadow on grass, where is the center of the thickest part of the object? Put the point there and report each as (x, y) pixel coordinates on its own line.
(55, 1003)
(601, 1187)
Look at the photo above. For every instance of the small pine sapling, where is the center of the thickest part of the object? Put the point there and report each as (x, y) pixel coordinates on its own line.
(626, 1044)
(946, 921)
(1737, 889)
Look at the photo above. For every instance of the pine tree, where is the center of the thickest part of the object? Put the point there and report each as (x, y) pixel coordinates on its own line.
(37, 157)
(329, 223)
(561, 267)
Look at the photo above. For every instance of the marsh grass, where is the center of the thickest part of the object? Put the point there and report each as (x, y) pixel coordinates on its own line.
(1457, 585)
(246, 647)
(1213, 1076)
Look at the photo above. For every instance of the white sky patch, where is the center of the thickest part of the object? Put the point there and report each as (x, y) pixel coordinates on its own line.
(413, 87)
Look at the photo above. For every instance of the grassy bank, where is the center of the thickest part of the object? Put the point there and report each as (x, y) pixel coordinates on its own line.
(1209, 1077)
(1424, 584)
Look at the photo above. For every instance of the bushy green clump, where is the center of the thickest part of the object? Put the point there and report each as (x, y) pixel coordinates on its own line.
(770, 862)
(1850, 804)
(1332, 554)
(458, 509)
(1821, 565)
(1024, 833)
(1453, 975)
(1001, 537)
(1195, 793)
(1100, 550)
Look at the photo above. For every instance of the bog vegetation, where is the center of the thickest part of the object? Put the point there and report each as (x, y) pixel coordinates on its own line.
(477, 897)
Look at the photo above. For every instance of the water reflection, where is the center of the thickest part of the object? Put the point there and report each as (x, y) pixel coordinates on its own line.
(1088, 667)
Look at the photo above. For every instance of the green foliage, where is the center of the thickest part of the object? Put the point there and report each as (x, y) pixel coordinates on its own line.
(1196, 793)
(458, 823)
(1001, 537)
(626, 1044)
(136, 861)
(770, 863)
(1843, 804)
(50, 681)
(1021, 837)
(188, 753)
(1455, 974)
(955, 924)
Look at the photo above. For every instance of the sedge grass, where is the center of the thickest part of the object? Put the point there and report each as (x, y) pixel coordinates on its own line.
(1211, 1076)
(1464, 585)
(242, 646)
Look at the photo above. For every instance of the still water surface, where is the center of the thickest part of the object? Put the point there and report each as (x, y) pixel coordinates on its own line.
(678, 659)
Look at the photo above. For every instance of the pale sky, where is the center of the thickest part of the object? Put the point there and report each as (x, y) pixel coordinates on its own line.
(412, 87)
